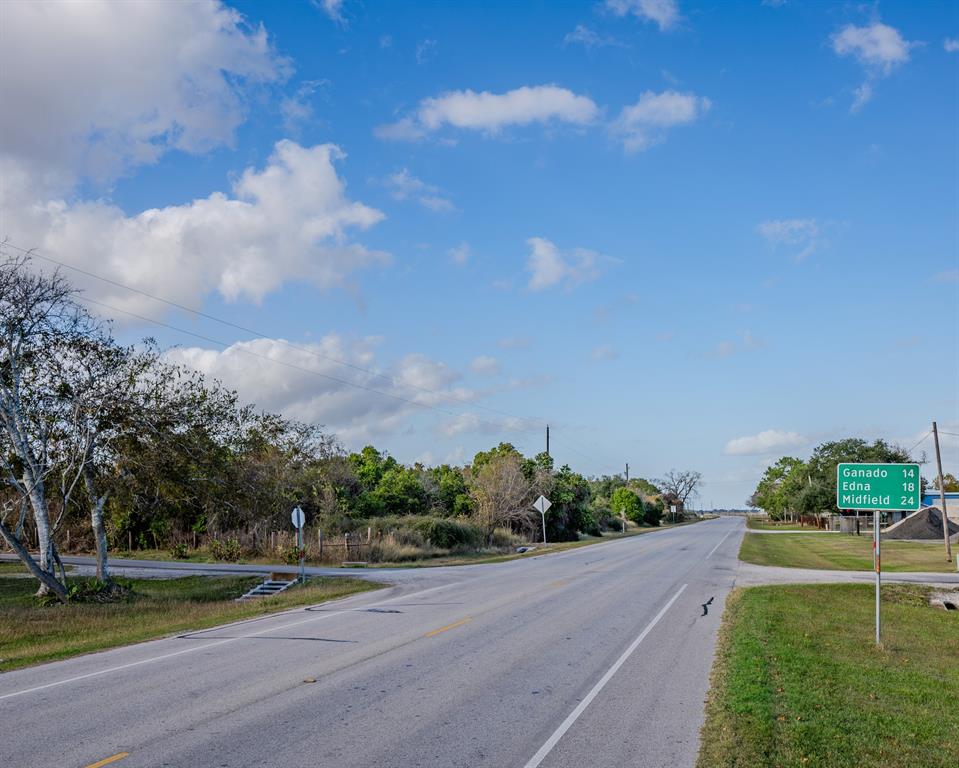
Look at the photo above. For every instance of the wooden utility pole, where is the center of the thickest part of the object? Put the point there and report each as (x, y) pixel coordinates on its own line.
(942, 495)
(624, 508)
(547, 439)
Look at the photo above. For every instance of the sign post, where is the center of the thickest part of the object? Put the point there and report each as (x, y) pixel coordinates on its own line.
(542, 504)
(299, 519)
(880, 488)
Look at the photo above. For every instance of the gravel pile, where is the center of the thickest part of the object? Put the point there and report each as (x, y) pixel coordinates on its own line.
(921, 525)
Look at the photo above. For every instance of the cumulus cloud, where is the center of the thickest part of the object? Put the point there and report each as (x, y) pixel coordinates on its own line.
(950, 44)
(646, 122)
(878, 47)
(332, 8)
(405, 186)
(801, 233)
(484, 365)
(665, 13)
(310, 382)
(491, 112)
(766, 442)
(97, 88)
(548, 266)
(289, 220)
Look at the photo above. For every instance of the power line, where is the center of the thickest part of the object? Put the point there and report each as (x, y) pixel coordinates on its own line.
(921, 439)
(461, 401)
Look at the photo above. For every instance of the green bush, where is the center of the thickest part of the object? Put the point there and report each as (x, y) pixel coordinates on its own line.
(227, 551)
(418, 530)
(179, 551)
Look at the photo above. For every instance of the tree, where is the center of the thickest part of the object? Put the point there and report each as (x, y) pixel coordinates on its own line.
(570, 496)
(501, 493)
(949, 482)
(40, 322)
(680, 485)
(627, 503)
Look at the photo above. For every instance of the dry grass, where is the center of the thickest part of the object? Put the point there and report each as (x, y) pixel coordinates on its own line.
(32, 634)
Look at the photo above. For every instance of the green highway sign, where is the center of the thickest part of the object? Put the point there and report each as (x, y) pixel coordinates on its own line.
(878, 487)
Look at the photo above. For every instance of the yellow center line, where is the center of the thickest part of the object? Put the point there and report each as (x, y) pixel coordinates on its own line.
(448, 627)
(108, 760)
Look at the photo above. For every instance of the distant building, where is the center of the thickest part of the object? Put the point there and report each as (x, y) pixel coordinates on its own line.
(931, 499)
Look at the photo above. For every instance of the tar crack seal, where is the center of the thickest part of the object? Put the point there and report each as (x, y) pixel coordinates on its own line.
(706, 606)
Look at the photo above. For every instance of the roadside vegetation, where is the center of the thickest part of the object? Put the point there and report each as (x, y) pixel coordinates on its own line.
(757, 523)
(31, 633)
(109, 447)
(843, 552)
(798, 681)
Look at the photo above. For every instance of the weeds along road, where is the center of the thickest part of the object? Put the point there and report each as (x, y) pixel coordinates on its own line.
(596, 656)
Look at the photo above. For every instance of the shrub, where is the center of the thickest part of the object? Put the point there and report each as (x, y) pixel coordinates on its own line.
(179, 551)
(228, 551)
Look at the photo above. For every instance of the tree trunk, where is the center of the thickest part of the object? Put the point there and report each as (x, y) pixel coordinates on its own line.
(99, 530)
(44, 540)
(46, 579)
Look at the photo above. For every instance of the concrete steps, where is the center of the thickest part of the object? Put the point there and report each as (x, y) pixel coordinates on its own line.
(267, 588)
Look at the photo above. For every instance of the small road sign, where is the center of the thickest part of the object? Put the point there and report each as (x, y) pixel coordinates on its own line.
(541, 505)
(298, 517)
(878, 487)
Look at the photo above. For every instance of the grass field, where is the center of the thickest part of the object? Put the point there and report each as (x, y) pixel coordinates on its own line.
(798, 681)
(31, 634)
(842, 552)
(765, 524)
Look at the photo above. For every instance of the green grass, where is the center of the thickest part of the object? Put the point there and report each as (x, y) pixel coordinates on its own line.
(12, 567)
(842, 552)
(765, 524)
(798, 681)
(32, 634)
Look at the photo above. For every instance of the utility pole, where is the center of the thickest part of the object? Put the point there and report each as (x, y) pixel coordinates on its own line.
(942, 495)
(547, 439)
(624, 508)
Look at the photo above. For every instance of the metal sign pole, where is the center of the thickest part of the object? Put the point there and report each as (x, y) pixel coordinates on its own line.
(299, 544)
(877, 555)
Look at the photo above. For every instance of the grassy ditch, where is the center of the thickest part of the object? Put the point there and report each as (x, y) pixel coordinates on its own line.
(32, 634)
(798, 681)
(765, 524)
(842, 552)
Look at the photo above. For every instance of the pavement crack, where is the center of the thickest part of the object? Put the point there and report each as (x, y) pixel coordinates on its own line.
(707, 604)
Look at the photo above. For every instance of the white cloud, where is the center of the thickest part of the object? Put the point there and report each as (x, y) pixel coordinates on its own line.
(332, 8)
(97, 88)
(460, 254)
(604, 352)
(768, 441)
(878, 47)
(803, 233)
(947, 276)
(725, 349)
(950, 44)
(484, 365)
(303, 381)
(491, 112)
(425, 50)
(290, 220)
(548, 266)
(588, 38)
(645, 123)
(405, 186)
(472, 422)
(664, 12)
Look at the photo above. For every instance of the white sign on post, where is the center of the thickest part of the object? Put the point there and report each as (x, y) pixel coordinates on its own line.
(542, 504)
(298, 517)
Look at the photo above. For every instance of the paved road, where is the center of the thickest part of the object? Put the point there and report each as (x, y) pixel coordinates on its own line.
(593, 657)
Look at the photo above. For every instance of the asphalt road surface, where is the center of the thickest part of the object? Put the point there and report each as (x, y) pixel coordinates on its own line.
(598, 656)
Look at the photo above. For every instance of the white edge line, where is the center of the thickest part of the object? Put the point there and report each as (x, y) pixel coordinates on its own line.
(100, 672)
(717, 545)
(551, 742)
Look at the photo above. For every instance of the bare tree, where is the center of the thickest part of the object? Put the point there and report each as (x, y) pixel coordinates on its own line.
(501, 494)
(680, 485)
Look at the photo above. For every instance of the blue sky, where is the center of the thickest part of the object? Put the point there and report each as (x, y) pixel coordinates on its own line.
(691, 235)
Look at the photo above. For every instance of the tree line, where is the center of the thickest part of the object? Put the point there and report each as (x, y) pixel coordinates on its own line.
(794, 487)
(120, 443)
